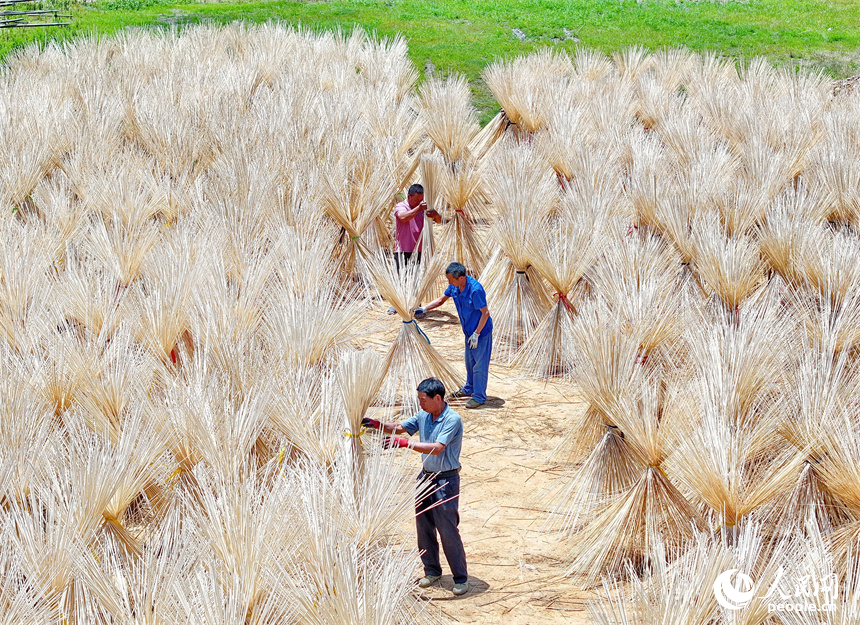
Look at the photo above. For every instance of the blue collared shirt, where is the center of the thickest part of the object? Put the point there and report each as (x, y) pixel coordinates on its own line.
(469, 303)
(447, 429)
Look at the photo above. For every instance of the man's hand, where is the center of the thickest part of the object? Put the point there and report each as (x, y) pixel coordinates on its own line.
(390, 442)
(420, 311)
(370, 423)
(473, 340)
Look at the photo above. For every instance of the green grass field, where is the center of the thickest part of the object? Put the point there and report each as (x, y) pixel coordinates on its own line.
(466, 35)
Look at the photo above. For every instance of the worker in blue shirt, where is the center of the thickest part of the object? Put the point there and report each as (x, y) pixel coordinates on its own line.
(471, 302)
(440, 431)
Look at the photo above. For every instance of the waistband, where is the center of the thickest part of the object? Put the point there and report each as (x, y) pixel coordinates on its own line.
(441, 475)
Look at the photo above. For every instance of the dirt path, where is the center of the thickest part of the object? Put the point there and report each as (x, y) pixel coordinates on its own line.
(515, 565)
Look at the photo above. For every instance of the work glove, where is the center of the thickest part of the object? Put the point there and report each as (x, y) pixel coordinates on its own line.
(420, 311)
(473, 340)
(390, 442)
(370, 423)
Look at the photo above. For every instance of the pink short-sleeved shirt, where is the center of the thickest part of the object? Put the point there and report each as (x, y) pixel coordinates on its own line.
(407, 234)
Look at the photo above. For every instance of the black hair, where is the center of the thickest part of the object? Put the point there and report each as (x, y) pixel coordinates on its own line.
(416, 188)
(432, 387)
(458, 270)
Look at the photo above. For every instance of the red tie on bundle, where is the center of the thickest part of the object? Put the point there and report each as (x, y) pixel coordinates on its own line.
(563, 299)
(466, 217)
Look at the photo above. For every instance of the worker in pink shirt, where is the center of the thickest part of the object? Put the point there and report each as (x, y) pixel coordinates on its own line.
(409, 223)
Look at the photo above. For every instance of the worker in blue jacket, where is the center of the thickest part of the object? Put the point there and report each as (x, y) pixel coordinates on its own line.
(471, 302)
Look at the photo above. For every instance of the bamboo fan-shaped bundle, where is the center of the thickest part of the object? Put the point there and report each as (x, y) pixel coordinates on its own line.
(358, 187)
(306, 417)
(371, 503)
(358, 376)
(681, 589)
(673, 66)
(730, 267)
(239, 527)
(120, 249)
(24, 159)
(225, 315)
(522, 85)
(63, 214)
(430, 168)
(121, 473)
(837, 168)
(209, 422)
(793, 218)
(838, 587)
(56, 559)
(171, 128)
(591, 64)
(524, 191)
(726, 421)
(656, 102)
(463, 191)
(147, 587)
(651, 510)
(411, 357)
(88, 298)
(340, 577)
(640, 280)
(27, 600)
(450, 118)
(25, 426)
(822, 388)
(58, 366)
(602, 463)
(632, 62)
(650, 179)
(741, 365)
(163, 301)
(572, 244)
(839, 469)
(304, 327)
(726, 469)
(829, 265)
(125, 374)
(24, 269)
(134, 199)
(832, 325)
(566, 130)
(386, 61)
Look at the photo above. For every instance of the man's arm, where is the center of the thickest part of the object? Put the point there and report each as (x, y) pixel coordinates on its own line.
(433, 449)
(485, 314)
(437, 302)
(432, 214)
(409, 214)
(388, 428)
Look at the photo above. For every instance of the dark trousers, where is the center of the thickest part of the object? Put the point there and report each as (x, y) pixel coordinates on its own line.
(401, 259)
(431, 517)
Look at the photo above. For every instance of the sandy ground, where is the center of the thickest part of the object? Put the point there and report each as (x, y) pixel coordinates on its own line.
(516, 565)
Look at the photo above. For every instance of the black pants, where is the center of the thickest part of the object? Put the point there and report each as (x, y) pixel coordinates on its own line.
(402, 259)
(438, 511)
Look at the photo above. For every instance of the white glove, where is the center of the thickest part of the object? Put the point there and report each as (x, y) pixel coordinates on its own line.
(473, 340)
(420, 311)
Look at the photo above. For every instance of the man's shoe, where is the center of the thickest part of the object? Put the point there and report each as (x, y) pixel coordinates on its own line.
(458, 395)
(391, 310)
(461, 589)
(428, 580)
(472, 403)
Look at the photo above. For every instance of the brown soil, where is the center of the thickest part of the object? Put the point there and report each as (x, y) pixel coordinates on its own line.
(516, 565)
